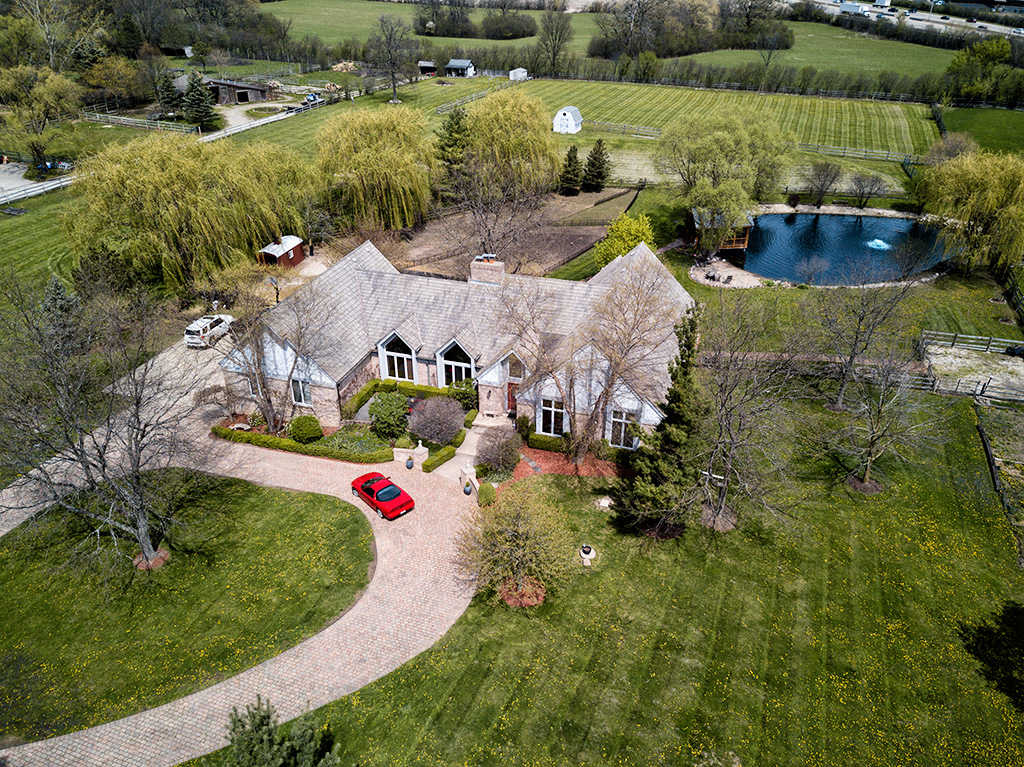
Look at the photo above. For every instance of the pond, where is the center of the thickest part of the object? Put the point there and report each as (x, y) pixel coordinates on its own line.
(838, 250)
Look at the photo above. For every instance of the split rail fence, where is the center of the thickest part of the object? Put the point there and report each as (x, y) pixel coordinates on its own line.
(449, 106)
(635, 130)
(963, 341)
(132, 122)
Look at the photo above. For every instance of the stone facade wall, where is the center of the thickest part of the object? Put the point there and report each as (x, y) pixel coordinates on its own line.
(493, 400)
(324, 407)
(364, 374)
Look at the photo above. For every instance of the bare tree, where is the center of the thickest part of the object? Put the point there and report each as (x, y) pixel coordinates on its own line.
(866, 186)
(949, 146)
(275, 349)
(64, 26)
(624, 344)
(854, 318)
(633, 25)
(88, 412)
(556, 33)
(822, 179)
(888, 417)
(744, 389)
(498, 206)
(770, 44)
(391, 51)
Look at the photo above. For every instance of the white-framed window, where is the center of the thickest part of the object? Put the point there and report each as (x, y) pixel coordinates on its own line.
(456, 365)
(621, 437)
(552, 417)
(516, 371)
(398, 359)
(300, 392)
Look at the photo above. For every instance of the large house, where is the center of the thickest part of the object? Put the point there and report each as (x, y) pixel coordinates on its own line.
(374, 321)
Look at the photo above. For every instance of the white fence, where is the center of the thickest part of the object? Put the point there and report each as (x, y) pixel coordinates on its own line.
(962, 341)
(131, 122)
(262, 121)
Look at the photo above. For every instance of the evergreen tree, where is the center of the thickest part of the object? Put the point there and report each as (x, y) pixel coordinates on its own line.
(166, 93)
(452, 141)
(571, 177)
(198, 102)
(595, 176)
(662, 467)
(127, 37)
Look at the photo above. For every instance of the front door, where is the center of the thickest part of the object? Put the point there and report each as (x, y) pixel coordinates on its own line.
(512, 389)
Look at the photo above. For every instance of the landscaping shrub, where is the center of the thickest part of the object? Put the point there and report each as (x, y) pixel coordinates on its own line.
(544, 442)
(486, 495)
(482, 471)
(255, 740)
(405, 441)
(315, 449)
(390, 414)
(256, 419)
(443, 455)
(437, 419)
(305, 429)
(470, 417)
(499, 449)
(459, 438)
(524, 426)
(355, 439)
(464, 392)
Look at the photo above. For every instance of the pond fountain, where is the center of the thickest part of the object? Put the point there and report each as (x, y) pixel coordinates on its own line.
(837, 249)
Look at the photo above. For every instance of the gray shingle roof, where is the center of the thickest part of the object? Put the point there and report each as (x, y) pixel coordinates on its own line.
(459, 64)
(364, 299)
(573, 112)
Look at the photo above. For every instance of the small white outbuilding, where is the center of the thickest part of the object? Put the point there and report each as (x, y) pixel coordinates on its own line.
(568, 120)
(516, 75)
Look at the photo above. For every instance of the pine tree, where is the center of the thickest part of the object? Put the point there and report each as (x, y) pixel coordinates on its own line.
(452, 140)
(198, 102)
(598, 166)
(166, 93)
(662, 467)
(571, 177)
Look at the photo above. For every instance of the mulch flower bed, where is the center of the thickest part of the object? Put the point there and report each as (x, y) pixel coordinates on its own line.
(556, 463)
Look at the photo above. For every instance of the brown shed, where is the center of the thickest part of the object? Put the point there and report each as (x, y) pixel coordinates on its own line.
(285, 252)
(231, 92)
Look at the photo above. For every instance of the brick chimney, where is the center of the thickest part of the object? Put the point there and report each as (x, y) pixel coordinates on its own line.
(486, 268)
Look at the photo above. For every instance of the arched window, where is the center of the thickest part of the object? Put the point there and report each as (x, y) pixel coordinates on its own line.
(398, 360)
(456, 364)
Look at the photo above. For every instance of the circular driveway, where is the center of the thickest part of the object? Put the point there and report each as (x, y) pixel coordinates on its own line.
(411, 602)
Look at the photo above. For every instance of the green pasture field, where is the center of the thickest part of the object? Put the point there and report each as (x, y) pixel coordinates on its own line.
(336, 20)
(1000, 130)
(830, 48)
(829, 639)
(858, 124)
(253, 571)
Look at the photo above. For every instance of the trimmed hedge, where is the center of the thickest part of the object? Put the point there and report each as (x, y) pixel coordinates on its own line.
(459, 438)
(470, 417)
(544, 442)
(482, 470)
(361, 397)
(443, 455)
(314, 449)
(486, 495)
(305, 429)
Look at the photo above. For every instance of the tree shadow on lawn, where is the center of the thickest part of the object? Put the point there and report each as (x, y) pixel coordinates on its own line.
(998, 645)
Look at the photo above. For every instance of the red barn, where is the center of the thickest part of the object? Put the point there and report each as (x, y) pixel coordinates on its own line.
(285, 251)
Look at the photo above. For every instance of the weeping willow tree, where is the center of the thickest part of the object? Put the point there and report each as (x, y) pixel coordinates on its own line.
(169, 211)
(377, 164)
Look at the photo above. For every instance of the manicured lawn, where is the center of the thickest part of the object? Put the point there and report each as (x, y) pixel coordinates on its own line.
(860, 124)
(336, 20)
(1000, 130)
(829, 640)
(36, 245)
(840, 50)
(253, 572)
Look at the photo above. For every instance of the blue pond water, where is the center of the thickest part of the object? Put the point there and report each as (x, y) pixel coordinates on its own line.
(837, 250)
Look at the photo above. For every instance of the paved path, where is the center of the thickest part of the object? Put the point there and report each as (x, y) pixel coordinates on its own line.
(411, 602)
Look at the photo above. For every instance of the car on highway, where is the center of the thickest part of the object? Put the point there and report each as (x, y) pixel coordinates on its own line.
(1019, 31)
(972, 20)
(383, 496)
(206, 330)
(981, 26)
(944, 18)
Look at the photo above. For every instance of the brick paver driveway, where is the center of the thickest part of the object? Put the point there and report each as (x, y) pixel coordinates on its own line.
(412, 600)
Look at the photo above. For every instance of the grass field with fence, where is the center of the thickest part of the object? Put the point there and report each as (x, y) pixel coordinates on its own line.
(999, 130)
(35, 242)
(840, 50)
(336, 20)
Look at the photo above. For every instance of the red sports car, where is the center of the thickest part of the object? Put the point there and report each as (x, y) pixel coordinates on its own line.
(384, 496)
